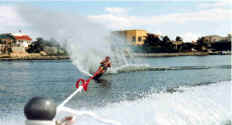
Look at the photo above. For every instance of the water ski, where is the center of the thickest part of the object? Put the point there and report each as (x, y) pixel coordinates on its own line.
(103, 82)
(96, 77)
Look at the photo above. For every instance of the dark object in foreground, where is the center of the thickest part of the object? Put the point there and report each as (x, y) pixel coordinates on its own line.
(40, 108)
(41, 111)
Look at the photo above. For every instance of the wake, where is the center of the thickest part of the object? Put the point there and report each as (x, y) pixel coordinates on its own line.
(145, 67)
(89, 114)
(61, 107)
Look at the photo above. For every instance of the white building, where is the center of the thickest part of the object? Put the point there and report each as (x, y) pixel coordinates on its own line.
(22, 40)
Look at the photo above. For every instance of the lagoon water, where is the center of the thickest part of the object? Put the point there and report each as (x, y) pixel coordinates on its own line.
(190, 90)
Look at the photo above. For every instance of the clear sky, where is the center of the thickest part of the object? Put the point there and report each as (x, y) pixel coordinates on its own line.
(187, 18)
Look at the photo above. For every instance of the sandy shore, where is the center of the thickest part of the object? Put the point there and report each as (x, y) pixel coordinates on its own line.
(33, 57)
(8, 58)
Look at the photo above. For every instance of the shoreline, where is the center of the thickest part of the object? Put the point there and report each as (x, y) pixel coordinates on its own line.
(34, 58)
(178, 54)
(170, 54)
(12, 58)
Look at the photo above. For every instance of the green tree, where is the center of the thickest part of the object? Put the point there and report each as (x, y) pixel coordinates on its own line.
(178, 38)
(202, 44)
(36, 46)
(229, 37)
(152, 40)
(51, 46)
(153, 44)
(166, 39)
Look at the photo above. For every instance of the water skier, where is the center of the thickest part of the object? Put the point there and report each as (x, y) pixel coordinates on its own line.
(104, 65)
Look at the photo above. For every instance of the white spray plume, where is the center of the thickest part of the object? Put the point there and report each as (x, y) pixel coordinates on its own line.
(86, 41)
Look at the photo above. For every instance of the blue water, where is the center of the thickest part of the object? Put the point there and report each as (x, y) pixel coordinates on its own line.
(21, 80)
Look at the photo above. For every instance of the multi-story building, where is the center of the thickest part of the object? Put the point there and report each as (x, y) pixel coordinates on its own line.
(6, 42)
(134, 37)
(16, 43)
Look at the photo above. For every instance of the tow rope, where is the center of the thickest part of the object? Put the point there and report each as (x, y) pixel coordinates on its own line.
(84, 86)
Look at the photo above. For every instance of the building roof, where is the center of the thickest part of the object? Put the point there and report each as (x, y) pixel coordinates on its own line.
(22, 37)
(129, 30)
(6, 36)
(135, 30)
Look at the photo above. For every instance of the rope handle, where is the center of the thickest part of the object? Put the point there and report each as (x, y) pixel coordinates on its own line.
(85, 83)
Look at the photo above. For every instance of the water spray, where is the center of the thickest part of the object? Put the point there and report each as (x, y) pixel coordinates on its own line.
(83, 86)
(91, 114)
(41, 111)
(84, 40)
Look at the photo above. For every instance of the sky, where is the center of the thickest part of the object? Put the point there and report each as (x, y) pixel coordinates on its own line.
(189, 19)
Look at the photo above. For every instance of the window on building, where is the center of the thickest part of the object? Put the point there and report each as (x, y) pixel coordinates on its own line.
(140, 39)
(133, 38)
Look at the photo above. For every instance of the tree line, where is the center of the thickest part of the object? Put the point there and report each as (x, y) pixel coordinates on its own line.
(155, 44)
(152, 44)
(49, 47)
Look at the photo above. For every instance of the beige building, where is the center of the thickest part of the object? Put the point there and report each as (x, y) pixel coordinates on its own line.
(134, 37)
(213, 38)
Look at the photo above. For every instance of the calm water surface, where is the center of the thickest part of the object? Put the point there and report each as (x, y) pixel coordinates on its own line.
(21, 80)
